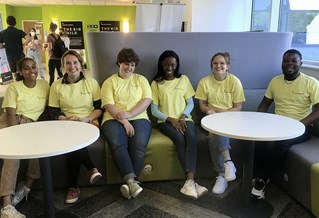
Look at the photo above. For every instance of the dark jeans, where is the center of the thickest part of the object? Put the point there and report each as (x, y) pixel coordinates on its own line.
(270, 156)
(128, 152)
(186, 145)
(54, 64)
(74, 161)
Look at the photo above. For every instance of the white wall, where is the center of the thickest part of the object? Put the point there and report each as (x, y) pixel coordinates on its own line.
(217, 15)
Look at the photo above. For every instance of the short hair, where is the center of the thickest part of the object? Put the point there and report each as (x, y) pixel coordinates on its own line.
(20, 66)
(127, 55)
(74, 53)
(11, 20)
(293, 51)
(225, 55)
(53, 26)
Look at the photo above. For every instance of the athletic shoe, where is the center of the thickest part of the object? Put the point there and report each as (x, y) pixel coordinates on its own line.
(201, 190)
(125, 191)
(22, 192)
(220, 185)
(134, 187)
(189, 189)
(94, 175)
(258, 190)
(72, 196)
(230, 171)
(10, 212)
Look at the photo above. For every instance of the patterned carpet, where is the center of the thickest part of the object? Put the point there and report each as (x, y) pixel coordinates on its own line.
(159, 199)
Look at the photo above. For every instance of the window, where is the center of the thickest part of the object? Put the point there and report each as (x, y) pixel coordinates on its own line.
(261, 15)
(299, 17)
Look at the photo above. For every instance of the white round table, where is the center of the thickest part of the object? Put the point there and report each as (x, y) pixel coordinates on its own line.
(251, 127)
(43, 140)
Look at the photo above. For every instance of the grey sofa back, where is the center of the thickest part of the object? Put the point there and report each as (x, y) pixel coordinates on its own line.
(255, 57)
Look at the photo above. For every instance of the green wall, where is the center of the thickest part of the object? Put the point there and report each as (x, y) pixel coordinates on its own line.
(89, 15)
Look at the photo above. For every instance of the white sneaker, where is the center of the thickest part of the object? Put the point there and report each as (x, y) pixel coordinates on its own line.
(22, 192)
(220, 185)
(230, 171)
(189, 189)
(10, 212)
(201, 190)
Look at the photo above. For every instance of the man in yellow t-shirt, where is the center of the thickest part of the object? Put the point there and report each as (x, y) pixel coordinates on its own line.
(294, 94)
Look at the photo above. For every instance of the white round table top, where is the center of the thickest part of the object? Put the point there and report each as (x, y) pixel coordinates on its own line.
(45, 139)
(255, 126)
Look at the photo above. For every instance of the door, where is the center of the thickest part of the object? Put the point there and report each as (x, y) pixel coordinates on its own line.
(38, 26)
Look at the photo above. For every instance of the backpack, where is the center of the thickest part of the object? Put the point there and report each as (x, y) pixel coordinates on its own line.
(58, 48)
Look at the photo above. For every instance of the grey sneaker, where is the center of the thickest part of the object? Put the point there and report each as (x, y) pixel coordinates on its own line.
(125, 191)
(10, 212)
(22, 192)
(134, 187)
(189, 189)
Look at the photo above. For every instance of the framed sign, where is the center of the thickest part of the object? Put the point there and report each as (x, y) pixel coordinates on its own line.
(6, 74)
(74, 30)
(109, 26)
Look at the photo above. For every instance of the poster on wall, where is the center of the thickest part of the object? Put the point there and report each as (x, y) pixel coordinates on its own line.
(74, 30)
(6, 74)
(109, 26)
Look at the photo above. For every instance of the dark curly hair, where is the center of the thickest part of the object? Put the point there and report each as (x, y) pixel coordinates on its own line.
(159, 77)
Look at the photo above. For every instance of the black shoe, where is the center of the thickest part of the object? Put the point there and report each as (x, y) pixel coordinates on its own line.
(258, 190)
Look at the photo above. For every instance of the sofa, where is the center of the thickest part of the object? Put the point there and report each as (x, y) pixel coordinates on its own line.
(255, 59)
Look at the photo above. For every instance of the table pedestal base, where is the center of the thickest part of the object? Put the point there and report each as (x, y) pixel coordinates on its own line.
(234, 206)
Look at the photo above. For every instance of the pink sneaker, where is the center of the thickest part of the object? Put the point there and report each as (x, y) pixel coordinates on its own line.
(73, 195)
(94, 175)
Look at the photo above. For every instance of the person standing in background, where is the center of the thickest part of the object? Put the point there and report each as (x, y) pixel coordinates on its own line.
(54, 62)
(64, 37)
(11, 39)
(34, 50)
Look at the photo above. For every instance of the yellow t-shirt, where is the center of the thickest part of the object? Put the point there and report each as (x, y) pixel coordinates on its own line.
(125, 94)
(29, 102)
(75, 99)
(293, 99)
(220, 94)
(171, 96)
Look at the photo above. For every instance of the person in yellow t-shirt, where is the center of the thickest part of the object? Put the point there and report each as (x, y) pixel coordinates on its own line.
(76, 97)
(24, 102)
(172, 104)
(220, 92)
(294, 95)
(125, 126)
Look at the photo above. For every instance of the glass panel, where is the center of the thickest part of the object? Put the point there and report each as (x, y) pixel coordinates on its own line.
(302, 18)
(261, 15)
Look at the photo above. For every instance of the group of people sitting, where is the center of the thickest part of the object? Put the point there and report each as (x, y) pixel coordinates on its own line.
(121, 103)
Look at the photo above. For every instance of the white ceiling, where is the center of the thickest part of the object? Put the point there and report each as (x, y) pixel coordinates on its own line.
(33, 3)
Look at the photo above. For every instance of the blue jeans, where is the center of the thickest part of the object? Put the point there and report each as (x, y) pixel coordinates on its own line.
(186, 145)
(270, 156)
(217, 144)
(36, 56)
(128, 152)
